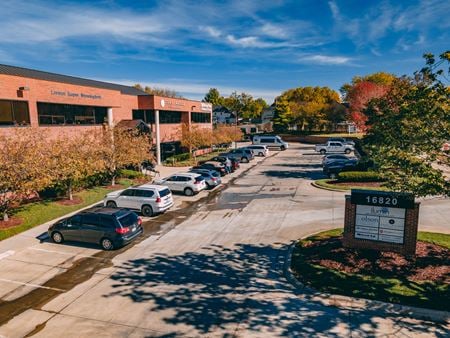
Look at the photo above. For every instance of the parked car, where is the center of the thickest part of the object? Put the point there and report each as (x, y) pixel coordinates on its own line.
(270, 141)
(342, 140)
(212, 177)
(334, 168)
(338, 157)
(187, 183)
(244, 155)
(334, 147)
(259, 150)
(109, 227)
(234, 162)
(149, 199)
(210, 166)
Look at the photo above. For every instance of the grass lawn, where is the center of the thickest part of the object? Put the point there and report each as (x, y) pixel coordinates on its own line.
(36, 213)
(404, 291)
(325, 183)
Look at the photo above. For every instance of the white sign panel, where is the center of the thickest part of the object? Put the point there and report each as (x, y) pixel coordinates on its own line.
(380, 223)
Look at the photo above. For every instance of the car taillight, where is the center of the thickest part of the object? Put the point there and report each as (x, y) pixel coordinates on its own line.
(214, 179)
(158, 199)
(122, 231)
(139, 222)
(197, 182)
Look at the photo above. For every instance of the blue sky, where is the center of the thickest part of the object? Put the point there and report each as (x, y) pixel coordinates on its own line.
(260, 47)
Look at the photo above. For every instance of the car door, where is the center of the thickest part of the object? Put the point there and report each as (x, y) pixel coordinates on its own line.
(90, 228)
(125, 200)
(72, 229)
(172, 183)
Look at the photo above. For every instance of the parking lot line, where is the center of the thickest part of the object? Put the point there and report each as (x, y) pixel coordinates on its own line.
(7, 254)
(31, 284)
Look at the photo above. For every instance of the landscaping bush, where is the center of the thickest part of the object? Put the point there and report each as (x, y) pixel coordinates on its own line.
(178, 158)
(131, 174)
(359, 176)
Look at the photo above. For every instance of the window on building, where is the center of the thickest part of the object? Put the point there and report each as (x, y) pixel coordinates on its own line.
(14, 113)
(148, 116)
(201, 117)
(168, 116)
(53, 113)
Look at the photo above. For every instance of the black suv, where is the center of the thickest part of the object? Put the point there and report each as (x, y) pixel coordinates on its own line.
(111, 228)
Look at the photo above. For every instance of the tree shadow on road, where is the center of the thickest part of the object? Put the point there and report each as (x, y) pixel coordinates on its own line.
(230, 291)
(306, 174)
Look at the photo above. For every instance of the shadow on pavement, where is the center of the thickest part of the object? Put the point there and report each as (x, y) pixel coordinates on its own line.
(307, 174)
(217, 289)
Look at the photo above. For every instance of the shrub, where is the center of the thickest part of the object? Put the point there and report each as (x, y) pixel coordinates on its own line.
(130, 174)
(359, 176)
(178, 158)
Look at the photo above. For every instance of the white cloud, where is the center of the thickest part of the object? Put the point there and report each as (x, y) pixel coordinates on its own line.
(325, 59)
(274, 31)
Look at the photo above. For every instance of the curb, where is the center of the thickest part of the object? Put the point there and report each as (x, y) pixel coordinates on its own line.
(315, 185)
(361, 303)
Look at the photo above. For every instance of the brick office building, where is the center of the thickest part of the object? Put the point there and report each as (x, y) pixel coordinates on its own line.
(69, 104)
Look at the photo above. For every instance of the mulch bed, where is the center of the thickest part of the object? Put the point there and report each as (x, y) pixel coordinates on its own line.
(432, 262)
(357, 184)
(115, 187)
(11, 223)
(76, 200)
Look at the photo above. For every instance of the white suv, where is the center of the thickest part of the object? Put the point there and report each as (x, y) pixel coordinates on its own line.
(259, 150)
(149, 199)
(187, 183)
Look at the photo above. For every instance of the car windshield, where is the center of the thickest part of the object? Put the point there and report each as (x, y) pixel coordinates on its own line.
(164, 193)
(128, 219)
(199, 179)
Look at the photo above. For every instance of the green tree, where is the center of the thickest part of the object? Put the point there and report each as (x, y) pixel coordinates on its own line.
(408, 127)
(166, 92)
(282, 115)
(213, 96)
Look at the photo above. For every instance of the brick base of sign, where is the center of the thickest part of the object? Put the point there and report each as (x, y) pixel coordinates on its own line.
(408, 248)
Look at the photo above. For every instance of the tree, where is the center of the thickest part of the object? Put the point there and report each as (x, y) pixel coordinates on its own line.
(282, 115)
(23, 166)
(358, 98)
(195, 137)
(224, 134)
(379, 78)
(213, 96)
(159, 91)
(121, 148)
(408, 127)
(72, 158)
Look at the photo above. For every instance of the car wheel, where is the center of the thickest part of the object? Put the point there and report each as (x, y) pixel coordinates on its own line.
(106, 244)
(283, 148)
(348, 151)
(111, 204)
(261, 154)
(57, 237)
(323, 151)
(244, 160)
(147, 211)
(188, 192)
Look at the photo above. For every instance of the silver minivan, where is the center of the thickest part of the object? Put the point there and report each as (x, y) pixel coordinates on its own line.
(148, 198)
(270, 141)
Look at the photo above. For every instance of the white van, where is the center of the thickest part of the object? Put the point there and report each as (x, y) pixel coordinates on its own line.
(271, 141)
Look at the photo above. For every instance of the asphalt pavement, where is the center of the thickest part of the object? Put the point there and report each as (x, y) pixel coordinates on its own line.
(212, 267)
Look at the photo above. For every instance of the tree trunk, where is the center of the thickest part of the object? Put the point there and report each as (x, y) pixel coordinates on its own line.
(70, 191)
(113, 180)
(5, 216)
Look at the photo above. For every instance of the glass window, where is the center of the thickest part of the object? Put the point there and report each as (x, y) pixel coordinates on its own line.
(129, 192)
(144, 193)
(167, 116)
(164, 193)
(201, 117)
(75, 220)
(106, 221)
(14, 113)
(90, 219)
(53, 113)
(148, 116)
(128, 219)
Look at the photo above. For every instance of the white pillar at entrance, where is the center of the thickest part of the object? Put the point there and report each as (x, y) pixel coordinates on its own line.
(158, 138)
(110, 118)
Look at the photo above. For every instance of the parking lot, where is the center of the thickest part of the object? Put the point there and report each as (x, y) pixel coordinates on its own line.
(214, 265)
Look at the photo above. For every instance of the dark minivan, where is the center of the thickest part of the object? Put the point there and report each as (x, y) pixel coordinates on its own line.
(109, 227)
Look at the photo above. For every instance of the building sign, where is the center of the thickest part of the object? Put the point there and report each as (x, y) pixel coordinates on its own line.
(206, 106)
(381, 220)
(380, 223)
(73, 94)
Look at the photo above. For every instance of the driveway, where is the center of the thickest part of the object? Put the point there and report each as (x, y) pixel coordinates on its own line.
(214, 268)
